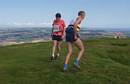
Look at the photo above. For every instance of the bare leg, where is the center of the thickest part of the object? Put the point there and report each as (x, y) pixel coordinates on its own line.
(80, 46)
(54, 47)
(69, 47)
(58, 48)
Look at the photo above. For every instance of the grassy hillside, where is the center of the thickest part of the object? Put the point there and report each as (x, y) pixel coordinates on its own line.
(106, 61)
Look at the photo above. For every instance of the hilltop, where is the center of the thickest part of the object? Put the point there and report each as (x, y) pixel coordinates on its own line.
(106, 61)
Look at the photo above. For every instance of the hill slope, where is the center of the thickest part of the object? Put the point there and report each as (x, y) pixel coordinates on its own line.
(106, 61)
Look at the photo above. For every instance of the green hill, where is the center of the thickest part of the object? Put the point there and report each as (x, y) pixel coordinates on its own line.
(106, 61)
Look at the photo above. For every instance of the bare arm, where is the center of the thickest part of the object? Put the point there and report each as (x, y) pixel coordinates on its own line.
(63, 30)
(78, 20)
(52, 29)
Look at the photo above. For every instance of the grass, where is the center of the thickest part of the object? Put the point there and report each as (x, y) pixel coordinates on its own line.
(106, 61)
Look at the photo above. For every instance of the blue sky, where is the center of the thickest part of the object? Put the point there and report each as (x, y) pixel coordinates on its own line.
(100, 13)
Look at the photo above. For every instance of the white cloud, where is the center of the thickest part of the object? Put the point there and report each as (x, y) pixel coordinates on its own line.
(32, 24)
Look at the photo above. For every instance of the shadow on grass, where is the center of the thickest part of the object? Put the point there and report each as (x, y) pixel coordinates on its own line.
(119, 44)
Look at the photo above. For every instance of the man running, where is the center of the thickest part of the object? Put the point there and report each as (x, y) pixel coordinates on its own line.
(57, 35)
(72, 36)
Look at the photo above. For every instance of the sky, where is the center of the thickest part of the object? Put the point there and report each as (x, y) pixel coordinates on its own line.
(100, 13)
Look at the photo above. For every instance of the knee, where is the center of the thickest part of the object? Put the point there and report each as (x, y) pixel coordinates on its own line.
(54, 45)
(82, 49)
(70, 52)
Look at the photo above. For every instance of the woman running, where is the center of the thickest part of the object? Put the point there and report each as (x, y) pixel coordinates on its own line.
(57, 35)
(72, 36)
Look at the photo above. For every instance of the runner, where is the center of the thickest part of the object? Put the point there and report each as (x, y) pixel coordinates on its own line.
(57, 35)
(72, 36)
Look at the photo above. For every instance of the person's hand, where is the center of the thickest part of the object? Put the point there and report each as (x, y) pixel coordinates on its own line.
(62, 36)
(75, 37)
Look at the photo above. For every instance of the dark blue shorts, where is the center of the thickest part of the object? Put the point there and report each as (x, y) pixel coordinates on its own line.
(70, 34)
(57, 38)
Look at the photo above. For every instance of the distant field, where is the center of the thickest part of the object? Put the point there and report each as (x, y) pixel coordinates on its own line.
(106, 61)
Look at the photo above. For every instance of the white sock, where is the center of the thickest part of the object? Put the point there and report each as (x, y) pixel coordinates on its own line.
(53, 55)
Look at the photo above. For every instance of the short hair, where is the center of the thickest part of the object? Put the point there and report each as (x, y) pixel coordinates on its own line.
(58, 15)
(81, 12)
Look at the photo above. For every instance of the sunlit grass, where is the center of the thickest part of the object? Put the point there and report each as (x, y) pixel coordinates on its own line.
(106, 61)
